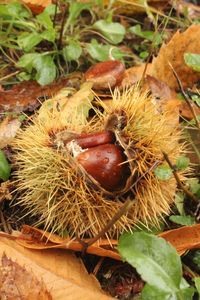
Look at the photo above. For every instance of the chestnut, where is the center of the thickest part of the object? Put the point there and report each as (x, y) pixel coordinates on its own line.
(104, 164)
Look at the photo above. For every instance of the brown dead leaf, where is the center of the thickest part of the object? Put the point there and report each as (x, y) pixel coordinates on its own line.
(63, 275)
(34, 238)
(17, 283)
(184, 238)
(134, 74)
(186, 112)
(172, 53)
(8, 130)
(25, 96)
(37, 6)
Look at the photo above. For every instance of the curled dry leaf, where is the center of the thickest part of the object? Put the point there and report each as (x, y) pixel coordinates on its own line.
(173, 53)
(8, 130)
(17, 283)
(184, 238)
(60, 272)
(34, 238)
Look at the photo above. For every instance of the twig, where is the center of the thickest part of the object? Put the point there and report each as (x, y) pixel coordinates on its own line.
(185, 96)
(62, 29)
(176, 176)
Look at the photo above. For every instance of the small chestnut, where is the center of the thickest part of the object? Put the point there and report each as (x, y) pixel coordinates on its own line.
(105, 75)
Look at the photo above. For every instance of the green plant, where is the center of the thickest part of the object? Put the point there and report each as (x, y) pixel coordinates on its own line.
(158, 264)
(42, 48)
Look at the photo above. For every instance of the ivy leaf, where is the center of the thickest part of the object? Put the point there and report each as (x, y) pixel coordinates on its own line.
(28, 40)
(46, 69)
(101, 52)
(182, 162)
(114, 32)
(72, 51)
(183, 220)
(154, 259)
(4, 167)
(163, 172)
(193, 61)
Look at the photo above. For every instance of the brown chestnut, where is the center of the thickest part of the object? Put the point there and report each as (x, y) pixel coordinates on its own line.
(88, 140)
(103, 163)
(105, 75)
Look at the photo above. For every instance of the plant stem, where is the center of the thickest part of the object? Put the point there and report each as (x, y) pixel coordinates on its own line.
(180, 184)
(185, 97)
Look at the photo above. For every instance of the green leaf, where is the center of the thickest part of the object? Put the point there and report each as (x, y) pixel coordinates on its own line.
(46, 69)
(72, 51)
(26, 61)
(148, 35)
(154, 259)
(101, 52)
(114, 32)
(196, 99)
(163, 172)
(45, 20)
(14, 9)
(4, 167)
(51, 9)
(179, 201)
(182, 162)
(194, 185)
(183, 220)
(48, 35)
(197, 284)
(75, 9)
(27, 40)
(43, 64)
(193, 61)
(151, 293)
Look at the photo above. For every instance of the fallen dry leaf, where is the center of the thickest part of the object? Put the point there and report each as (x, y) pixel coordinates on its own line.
(183, 238)
(37, 6)
(172, 53)
(34, 238)
(26, 95)
(8, 130)
(63, 275)
(17, 283)
(134, 74)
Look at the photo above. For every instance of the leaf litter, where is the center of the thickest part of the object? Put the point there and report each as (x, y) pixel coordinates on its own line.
(163, 85)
